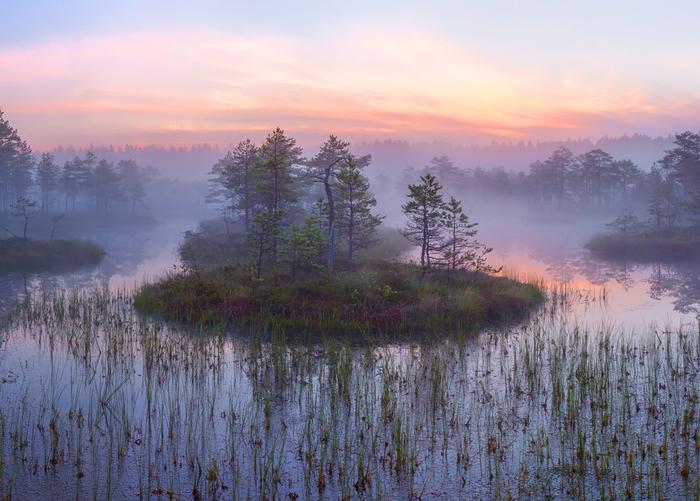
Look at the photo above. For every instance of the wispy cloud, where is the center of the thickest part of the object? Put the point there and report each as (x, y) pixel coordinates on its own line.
(192, 86)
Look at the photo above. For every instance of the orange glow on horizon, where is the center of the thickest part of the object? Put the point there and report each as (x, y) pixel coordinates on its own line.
(194, 87)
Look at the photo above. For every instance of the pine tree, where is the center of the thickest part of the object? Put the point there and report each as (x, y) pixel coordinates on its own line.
(77, 179)
(594, 172)
(356, 204)
(627, 175)
(664, 204)
(550, 177)
(301, 245)
(683, 161)
(424, 210)
(322, 168)
(624, 223)
(319, 210)
(106, 185)
(21, 169)
(444, 169)
(16, 164)
(264, 231)
(47, 173)
(70, 181)
(233, 180)
(276, 176)
(460, 247)
(133, 179)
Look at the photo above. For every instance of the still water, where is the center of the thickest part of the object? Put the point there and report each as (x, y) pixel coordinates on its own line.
(101, 404)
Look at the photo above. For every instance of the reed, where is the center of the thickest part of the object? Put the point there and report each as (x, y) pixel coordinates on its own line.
(128, 406)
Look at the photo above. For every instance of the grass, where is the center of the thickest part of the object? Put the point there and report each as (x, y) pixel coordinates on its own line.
(111, 405)
(17, 254)
(381, 297)
(647, 247)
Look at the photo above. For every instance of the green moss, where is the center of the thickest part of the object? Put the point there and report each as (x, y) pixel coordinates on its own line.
(388, 298)
(17, 254)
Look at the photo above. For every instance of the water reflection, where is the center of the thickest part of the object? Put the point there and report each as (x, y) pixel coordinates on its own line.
(131, 257)
(638, 294)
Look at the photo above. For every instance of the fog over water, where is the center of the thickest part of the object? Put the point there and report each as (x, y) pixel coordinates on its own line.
(114, 401)
(396, 250)
(527, 242)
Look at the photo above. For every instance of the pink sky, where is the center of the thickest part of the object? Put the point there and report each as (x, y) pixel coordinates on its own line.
(185, 87)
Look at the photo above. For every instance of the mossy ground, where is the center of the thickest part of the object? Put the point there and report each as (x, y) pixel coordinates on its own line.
(380, 297)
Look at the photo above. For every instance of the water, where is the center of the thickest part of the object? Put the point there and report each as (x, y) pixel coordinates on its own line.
(637, 295)
(101, 403)
(132, 257)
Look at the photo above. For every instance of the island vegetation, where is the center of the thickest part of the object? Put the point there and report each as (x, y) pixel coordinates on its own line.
(300, 247)
(47, 210)
(22, 254)
(84, 195)
(670, 230)
(19, 255)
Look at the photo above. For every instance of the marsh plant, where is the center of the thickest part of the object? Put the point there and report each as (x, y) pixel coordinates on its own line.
(106, 405)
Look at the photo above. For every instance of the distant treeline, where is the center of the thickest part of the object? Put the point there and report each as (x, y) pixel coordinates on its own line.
(643, 150)
(591, 179)
(81, 183)
(391, 155)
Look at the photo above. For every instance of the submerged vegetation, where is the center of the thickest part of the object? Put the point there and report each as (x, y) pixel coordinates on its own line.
(18, 254)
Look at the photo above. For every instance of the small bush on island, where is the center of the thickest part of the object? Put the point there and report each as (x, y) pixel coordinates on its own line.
(20, 255)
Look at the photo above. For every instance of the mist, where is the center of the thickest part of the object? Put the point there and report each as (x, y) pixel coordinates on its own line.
(371, 250)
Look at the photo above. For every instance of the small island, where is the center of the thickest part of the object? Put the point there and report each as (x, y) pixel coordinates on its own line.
(671, 229)
(379, 298)
(647, 246)
(20, 255)
(300, 248)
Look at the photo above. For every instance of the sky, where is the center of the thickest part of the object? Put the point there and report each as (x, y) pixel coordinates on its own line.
(80, 72)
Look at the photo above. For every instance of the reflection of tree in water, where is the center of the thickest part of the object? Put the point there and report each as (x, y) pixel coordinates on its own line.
(125, 252)
(565, 268)
(678, 282)
(600, 272)
(662, 280)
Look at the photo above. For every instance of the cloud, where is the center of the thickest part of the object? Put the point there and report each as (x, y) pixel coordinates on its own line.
(192, 86)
